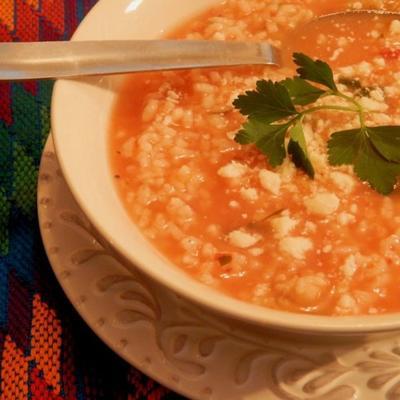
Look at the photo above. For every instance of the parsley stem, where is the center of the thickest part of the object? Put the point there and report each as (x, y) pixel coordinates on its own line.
(330, 107)
(360, 109)
(348, 98)
(362, 118)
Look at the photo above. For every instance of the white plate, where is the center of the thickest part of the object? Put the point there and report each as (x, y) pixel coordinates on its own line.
(170, 340)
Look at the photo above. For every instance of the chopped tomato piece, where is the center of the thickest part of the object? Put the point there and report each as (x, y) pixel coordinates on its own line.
(390, 54)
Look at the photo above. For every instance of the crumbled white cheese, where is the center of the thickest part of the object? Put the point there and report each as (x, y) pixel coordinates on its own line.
(308, 132)
(347, 71)
(381, 119)
(231, 135)
(354, 208)
(203, 87)
(347, 302)
(150, 110)
(343, 41)
(234, 204)
(208, 250)
(321, 39)
(373, 105)
(232, 170)
(374, 34)
(336, 54)
(392, 91)
(256, 251)
(322, 204)
(282, 226)
(318, 159)
(297, 247)
(379, 61)
(261, 289)
(287, 171)
(127, 148)
(178, 207)
(270, 181)
(345, 218)
(191, 244)
(365, 68)
(377, 94)
(310, 227)
(243, 239)
(395, 27)
(343, 181)
(250, 194)
(308, 289)
(214, 230)
(327, 249)
(350, 266)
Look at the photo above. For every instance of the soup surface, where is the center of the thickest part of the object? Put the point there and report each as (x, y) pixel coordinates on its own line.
(218, 210)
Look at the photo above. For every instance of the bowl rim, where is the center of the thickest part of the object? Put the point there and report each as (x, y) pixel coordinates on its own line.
(210, 298)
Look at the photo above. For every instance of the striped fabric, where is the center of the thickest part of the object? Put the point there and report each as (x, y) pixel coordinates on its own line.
(47, 352)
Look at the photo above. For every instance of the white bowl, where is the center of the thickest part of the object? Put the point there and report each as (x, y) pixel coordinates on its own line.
(81, 112)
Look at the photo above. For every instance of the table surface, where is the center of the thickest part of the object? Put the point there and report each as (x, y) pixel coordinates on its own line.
(47, 351)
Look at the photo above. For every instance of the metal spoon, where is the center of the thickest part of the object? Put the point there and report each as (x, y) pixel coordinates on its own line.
(43, 60)
(364, 12)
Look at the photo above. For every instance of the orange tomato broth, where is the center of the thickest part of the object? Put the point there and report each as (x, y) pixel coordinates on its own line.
(211, 201)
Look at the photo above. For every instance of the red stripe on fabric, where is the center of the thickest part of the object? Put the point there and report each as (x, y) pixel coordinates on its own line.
(71, 18)
(53, 10)
(19, 312)
(5, 34)
(5, 103)
(48, 31)
(39, 389)
(27, 22)
(68, 377)
(87, 5)
(31, 87)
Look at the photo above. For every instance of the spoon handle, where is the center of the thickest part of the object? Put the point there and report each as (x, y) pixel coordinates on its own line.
(42, 60)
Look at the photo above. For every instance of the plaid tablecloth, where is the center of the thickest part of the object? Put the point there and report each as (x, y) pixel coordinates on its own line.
(47, 351)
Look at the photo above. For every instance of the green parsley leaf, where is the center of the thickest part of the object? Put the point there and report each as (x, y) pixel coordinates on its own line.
(301, 92)
(270, 102)
(378, 172)
(271, 112)
(314, 70)
(251, 131)
(269, 139)
(354, 147)
(297, 148)
(386, 140)
(343, 147)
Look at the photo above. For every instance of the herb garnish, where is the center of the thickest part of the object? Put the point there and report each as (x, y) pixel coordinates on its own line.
(276, 110)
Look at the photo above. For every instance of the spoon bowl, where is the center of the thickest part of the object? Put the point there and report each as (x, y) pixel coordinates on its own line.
(341, 38)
